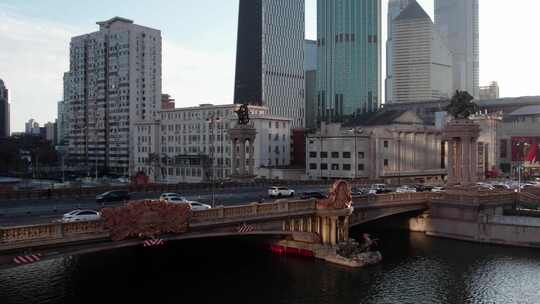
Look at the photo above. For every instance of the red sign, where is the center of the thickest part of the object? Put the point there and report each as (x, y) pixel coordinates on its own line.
(526, 149)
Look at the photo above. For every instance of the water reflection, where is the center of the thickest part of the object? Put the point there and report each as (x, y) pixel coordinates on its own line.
(415, 269)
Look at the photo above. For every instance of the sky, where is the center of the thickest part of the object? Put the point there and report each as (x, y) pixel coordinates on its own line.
(199, 47)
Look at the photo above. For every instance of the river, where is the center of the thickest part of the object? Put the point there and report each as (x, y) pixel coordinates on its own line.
(415, 269)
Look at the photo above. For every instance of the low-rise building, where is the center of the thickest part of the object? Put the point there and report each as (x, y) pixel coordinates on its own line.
(386, 145)
(193, 145)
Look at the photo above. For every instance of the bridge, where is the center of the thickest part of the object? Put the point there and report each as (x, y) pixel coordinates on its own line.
(310, 226)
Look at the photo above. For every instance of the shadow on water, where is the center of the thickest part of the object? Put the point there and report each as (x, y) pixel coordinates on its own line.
(415, 269)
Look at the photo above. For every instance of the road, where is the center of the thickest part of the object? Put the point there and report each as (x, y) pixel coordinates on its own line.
(28, 212)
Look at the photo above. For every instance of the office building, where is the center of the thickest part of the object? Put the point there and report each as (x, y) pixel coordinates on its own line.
(395, 7)
(32, 127)
(4, 111)
(192, 144)
(489, 92)
(349, 58)
(458, 22)
(269, 58)
(51, 132)
(310, 70)
(61, 123)
(113, 82)
(421, 63)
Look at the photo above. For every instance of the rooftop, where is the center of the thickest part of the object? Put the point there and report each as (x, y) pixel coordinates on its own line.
(107, 23)
(413, 11)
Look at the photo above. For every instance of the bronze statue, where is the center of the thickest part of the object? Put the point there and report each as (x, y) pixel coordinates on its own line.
(461, 105)
(243, 114)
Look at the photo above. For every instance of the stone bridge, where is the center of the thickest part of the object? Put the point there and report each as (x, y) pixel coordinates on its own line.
(301, 224)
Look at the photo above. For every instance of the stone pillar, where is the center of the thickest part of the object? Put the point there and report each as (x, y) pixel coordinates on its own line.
(233, 157)
(252, 156)
(451, 162)
(466, 160)
(242, 161)
(333, 230)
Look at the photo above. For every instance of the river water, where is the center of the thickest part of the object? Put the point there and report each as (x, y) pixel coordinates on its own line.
(415, 269)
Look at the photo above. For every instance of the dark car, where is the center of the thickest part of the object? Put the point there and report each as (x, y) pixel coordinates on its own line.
(113, 196)
(422, 188)
(308, 195)
(359, 191)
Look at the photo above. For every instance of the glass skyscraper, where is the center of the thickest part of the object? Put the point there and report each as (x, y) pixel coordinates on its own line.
(4, 111)
(349, 58)
(270, 57)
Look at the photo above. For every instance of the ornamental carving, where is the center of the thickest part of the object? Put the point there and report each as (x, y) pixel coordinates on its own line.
(340, 197)
(146, 219)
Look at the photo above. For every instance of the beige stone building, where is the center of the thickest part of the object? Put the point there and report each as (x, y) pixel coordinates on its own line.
(391, 145)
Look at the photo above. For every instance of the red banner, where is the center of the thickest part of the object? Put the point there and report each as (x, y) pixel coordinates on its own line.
(526, 149)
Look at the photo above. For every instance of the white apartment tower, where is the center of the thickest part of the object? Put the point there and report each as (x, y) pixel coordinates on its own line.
(422, 65)
(395, 7)
(458, 22)
(113, 82)
(270, 57)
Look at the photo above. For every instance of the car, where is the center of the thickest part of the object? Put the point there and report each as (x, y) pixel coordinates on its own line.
(360, 191)
(166, 196)
(317, 195)
(81, 215)
(113, 196)
(379, 189)
(195, 206)
(438, 189)
(406, 189)
(280, 191)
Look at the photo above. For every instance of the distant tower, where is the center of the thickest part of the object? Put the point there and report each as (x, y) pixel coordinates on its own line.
(458, 22)
(422, 65)
(4, 111)
(395, 7)
(349, 58)
(270, 57)
(310, 69)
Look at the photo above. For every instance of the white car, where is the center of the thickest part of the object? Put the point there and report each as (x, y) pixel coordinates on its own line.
(195, 206)
(280, 191)
(406, 189)
(437, 189)
(167, 196)
(81, 215)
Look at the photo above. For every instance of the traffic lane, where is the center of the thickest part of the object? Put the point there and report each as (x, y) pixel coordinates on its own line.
(45, 214)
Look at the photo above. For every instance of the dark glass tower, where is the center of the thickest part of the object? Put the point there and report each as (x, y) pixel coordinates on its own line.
(248, 79)
(4, 111)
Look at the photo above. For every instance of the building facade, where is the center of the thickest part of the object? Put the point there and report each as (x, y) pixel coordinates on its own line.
(489, 92)
(310, 71)
(193, 145)
(458, 23)
(32, 127)
(114, 81)
(4, 111)
(349, 58)
(390, 145)
(270, 56)
(395, 7)
(61, 123)
(421, 63)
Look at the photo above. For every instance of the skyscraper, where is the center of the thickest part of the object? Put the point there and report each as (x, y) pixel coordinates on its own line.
(269, 57)
(4, 111)
(114, 80)
(395, 7)
(310, 69)
(458, 22)
(422, 64)
(349, 58)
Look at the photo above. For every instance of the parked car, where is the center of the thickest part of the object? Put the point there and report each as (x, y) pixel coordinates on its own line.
(81, 215)
(195, 206)
(317, 195)
(113, 196)
(166, 196)
(280, 191)
(406, 189)
(438, 189)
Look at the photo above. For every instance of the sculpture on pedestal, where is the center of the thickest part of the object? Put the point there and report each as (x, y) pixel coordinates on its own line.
(242, 137)
(461, 105)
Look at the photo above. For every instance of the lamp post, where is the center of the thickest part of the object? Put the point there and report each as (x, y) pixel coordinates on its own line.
(212, 120)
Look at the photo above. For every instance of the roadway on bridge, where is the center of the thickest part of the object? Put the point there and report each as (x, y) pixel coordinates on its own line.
(28, 212)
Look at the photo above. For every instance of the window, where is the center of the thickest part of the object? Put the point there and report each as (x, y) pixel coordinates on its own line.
(324, 154)
(386, 143)
(346, 154)
(361, 155)
(346, 167)
(313, 166)
(324, 166)
(386, 163)
(335, 154)
(361, 167)
(312, 154)
(335, 167)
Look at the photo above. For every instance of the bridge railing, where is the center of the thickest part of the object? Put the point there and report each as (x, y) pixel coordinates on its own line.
(393, 198)
(50, 231)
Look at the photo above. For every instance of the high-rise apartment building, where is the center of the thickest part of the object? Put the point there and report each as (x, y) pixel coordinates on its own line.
(349, 58)
(422, 64)
(269, 58)
(490, 91)
(114, 81)
(458, 22)
(4, 111)
(61, 123)
(395, 7)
